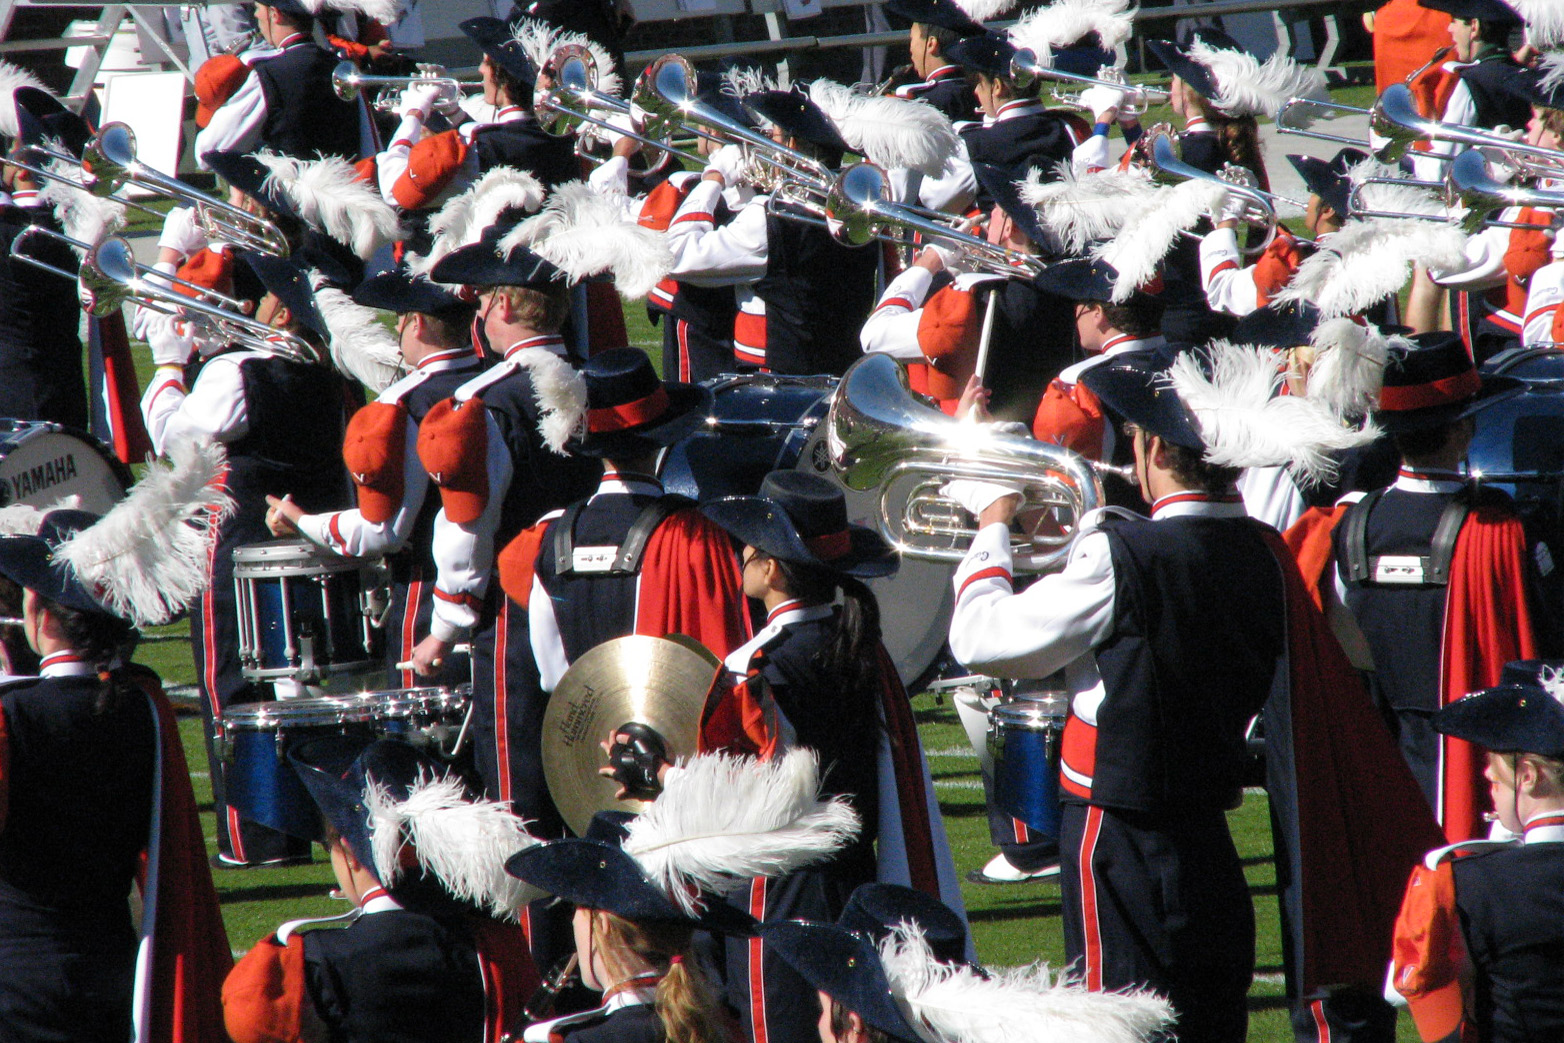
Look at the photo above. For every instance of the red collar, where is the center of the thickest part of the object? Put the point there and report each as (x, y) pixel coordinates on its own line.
(1555, 819)
(944, 72)
(443, 356)
(786, 606)
(292, 41)
(541, 341)
(1431, 474)
(60, 659)
(1193, 497)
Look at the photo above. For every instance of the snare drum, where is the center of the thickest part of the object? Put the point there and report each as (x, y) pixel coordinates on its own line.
(1023, 738)
(306, 614)
(41, 463)
(254, 740)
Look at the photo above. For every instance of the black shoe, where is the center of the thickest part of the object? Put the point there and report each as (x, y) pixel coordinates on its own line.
(222, 861)
(1000, 871)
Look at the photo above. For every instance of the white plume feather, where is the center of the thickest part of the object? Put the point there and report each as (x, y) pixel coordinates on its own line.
(560, 392)
(1369, 260)
(462, 840)
(21, 519)
(1066, 22)
(1246, 87)
(722, 820)
(12, 77)
(888, 132)
(1348, 367)
(82, 215)
(741, 81)
(536, 39)
(1544, 22)
(383, 11)
(1389, 192)
(461, 221)
(361, 346)
(539, 40)
(1244, 423)
(1151, 228)
(983, 10)
(1081, 210)
(584, 232)
(959, 1004)
(147, 558)
(1552, 63)
(1552, 679)
(329, 195)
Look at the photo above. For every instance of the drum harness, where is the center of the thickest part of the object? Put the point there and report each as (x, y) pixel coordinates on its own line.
(1428, 570)
(623, 560)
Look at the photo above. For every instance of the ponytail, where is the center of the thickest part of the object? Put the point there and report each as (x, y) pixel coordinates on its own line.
(686, 1003)
(851, 662)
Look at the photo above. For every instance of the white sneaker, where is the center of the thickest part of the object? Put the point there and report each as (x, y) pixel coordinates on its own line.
(1000, 871)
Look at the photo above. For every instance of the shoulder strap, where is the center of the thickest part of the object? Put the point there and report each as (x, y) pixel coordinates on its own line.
(1447, 532)
(564, 538)
(1355, 537)
(651, 516)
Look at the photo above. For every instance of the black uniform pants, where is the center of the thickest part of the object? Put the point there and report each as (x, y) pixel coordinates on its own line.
(1160, 902)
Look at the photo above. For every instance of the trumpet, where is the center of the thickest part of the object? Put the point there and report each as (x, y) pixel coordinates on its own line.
(880, 436)
(110, 277)
(348, 82)
(1026, 71)
(110, 162)
(858, 211)
(561, 109)
(1168, 168)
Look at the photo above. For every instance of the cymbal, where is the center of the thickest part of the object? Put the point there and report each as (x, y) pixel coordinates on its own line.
(660, 682)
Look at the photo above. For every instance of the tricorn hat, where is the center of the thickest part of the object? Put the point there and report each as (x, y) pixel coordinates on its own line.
(802, 517)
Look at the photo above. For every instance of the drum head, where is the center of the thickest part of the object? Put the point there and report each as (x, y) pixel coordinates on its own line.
(288, 714)
(41, 464)
(291, 557)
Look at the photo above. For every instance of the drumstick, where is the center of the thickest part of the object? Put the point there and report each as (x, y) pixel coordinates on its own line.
(455, 649)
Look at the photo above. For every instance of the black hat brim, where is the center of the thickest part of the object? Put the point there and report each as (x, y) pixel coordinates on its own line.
(494, 38)
(29, 562)
(988, 53)
(844, 966)
(689, 405)
(284, 279)
(1482, 10)
(478, 264)
(248, 175)
(1184, 67)
(941, 13)
(763, 524)
(1132, 386)
(1521, 718)
(1278, 325)
(40, 115)
(592, 874)
(1494, 390)
(999, 182)
(805, 122)
(1078, 279)
(1321, 179)
(402, 293)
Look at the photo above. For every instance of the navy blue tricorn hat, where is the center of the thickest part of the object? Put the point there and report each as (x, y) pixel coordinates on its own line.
(40, 117)
(802, 517)
(873, 910)
(495, 39)
(1328, 178)
(1436, 384)
(594, 872)
(1176, 57)
(29, 562)
(630, 411)
(798, 117)
(481, 264)
(1518, 716)
(844, 965)
(1132, 386)
(286, 279)
(402, 292)
(989, 53)
(945, 14)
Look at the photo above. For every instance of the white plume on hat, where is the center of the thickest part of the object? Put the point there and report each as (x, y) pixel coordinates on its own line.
(461, 221)
(1078, 211)
(147, 558)
(82, 215)
(22, 519)
(984, 10)
(539, 40)
(383, 11)
(11, 78)
(1544, 22)
(1552, 62)
(957, 1003)
(362, 348)
(330, 196)
(1246, 87)
(1245, 423)
(1044, 30)
(1150, 229)
(584, 232)
(740, 81)
(888, 132)
(1552, 680)
(1349, 367)
(1369, 260)
(462, 840)
(721, 820)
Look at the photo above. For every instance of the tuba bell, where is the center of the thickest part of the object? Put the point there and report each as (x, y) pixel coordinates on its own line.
(879, 435)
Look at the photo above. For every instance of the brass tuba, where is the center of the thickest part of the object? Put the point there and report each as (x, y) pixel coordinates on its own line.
(879, 435)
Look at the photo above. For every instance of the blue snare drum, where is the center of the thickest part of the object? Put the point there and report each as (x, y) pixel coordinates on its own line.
(254, 738)
(305, 614)
(1023, 739)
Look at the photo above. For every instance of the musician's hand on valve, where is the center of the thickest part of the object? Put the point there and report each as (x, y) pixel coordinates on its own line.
(728, 163)
(429, 655)
(169, 339)
(1103, 102)
(282, 516)
(1231, 210)
(637, 760)
(182, 233)
(988, 502)
(417, 99)
(949, 258)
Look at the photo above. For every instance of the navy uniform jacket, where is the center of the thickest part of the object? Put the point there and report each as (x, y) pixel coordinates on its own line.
(40, 354)
(947, 90)
(818, 294)
(304, 116)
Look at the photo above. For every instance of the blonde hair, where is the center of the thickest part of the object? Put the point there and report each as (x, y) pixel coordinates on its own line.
(686, 1002)
(541, 310)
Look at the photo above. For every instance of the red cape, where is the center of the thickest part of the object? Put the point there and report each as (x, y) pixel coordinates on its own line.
(917, 829)
(690, 584)
(116, 395)
(1348, 817)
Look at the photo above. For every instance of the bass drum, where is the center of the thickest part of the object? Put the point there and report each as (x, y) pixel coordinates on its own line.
(761, 423)
(42, 463)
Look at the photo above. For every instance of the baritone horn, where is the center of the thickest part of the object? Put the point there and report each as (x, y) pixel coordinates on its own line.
(880, 436)
(1396, 118)
(1468, 183)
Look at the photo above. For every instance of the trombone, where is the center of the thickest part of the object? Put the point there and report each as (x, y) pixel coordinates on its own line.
(1395, 117)
(857, 212)
(1026, 70)
(348, 82)
(563, 107)
(1168, 168)
(1295, 117)
(1467, 182)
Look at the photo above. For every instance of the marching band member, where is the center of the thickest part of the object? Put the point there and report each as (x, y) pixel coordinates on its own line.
(273, 412)
(396, 507)
(936, 24)
(793, 266)
(1477, 936)
(287, 103)
(420, 957)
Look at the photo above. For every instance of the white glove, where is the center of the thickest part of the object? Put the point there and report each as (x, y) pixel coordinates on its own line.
(1233, 207)
(170, 340)
(418, 98)
(182, 232)
(955, 261)
(977, 496)
(1099, 98)
(1556, 244)
(449, 98)
(729, 161)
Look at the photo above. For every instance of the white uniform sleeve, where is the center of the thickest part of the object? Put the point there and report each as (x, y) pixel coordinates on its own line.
(956, 187)
(391, 164)
(1090, 155)
(548, 648)
(1542, 300)
(1460, 110)
(464, 554)
(236, 126)
(214, 408)
(612, 175)
(1048, 625)
(892, 327)
(350, 533)
(1484, 267)
(1228, 284)
(705, 255)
